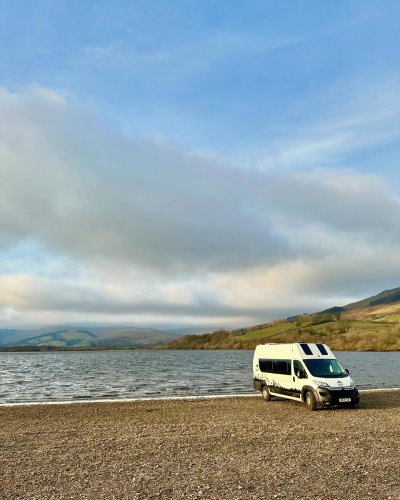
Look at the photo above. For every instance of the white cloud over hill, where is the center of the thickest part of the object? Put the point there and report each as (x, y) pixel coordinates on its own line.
(103, 228)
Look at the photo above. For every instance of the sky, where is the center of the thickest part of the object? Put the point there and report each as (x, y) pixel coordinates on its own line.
(196, 163)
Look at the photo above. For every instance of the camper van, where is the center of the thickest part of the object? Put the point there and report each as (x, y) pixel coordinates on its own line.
(303, 372)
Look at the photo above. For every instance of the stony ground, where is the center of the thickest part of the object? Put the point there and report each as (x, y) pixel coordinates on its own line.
(221, 448)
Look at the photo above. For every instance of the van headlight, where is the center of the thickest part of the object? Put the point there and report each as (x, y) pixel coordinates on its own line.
(319, 383)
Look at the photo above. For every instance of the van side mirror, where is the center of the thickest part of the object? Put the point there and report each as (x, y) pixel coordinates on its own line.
(347, 371)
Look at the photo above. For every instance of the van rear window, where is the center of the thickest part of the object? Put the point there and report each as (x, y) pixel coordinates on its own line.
(265, 365)
(306, 349)
(279, 366)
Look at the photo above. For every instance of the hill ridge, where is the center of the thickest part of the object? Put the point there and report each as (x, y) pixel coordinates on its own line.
(83, 337)
(371, 324)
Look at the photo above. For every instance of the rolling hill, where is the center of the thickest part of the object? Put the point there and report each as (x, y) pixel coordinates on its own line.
(372, 324)
(68, 337)
(386, 297)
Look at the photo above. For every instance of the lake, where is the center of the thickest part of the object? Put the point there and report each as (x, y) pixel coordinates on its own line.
(68, 376)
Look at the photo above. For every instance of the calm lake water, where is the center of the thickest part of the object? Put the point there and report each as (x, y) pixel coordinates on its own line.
(66, 376)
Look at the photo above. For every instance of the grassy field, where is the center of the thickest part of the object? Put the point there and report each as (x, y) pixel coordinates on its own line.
(374, 328)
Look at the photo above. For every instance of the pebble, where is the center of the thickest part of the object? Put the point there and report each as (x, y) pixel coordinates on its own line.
(214, 449)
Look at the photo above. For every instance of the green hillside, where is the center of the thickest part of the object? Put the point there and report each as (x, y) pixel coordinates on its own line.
(369, 325)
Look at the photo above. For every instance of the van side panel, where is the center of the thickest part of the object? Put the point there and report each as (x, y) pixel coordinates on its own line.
(275, 372)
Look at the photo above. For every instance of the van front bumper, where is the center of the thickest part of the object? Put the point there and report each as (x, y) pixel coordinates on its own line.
(337, 397)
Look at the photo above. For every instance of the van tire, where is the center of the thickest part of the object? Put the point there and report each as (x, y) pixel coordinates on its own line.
(310, 400)
(265, 393)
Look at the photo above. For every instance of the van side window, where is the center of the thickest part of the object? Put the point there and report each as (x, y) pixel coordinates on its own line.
(265, 365)
(299, 370)
(278, 366)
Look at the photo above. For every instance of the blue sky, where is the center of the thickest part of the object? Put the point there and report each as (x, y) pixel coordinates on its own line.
(196, 162)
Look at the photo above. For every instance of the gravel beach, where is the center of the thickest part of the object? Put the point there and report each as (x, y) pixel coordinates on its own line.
(215, 448)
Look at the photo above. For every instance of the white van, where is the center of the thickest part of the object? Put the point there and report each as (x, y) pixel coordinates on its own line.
(303, 372)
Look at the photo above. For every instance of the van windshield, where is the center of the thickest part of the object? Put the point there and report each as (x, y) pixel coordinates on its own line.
(326, 368)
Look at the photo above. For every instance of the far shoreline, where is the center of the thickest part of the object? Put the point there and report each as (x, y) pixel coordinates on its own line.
(158, 347)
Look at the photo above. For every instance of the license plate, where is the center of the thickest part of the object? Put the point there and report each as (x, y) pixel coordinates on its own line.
(344, 400)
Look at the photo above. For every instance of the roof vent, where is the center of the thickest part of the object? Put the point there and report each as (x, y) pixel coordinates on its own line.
(306, 349)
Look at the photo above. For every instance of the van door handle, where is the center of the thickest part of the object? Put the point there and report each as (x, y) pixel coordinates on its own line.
(293, 378)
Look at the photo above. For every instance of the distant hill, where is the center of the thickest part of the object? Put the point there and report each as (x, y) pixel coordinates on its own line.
(189, 330)
(73, 337)
(372, 324)
(385, 297)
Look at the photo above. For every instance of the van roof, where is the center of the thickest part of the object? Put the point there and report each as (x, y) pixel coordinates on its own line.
(302, 349)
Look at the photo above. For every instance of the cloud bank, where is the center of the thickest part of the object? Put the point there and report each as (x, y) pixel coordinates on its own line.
(104, 228)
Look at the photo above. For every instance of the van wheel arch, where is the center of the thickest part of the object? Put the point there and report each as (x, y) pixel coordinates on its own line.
(304, 391)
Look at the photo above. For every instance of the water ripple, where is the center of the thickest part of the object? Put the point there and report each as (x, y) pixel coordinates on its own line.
(66, 376)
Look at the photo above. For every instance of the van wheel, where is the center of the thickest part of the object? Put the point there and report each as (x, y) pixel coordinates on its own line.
(265, 393)
(311, 402)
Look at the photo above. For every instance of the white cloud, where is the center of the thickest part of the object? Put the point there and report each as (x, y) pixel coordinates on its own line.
(351, 115)
(118, 57)
(152, 231)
